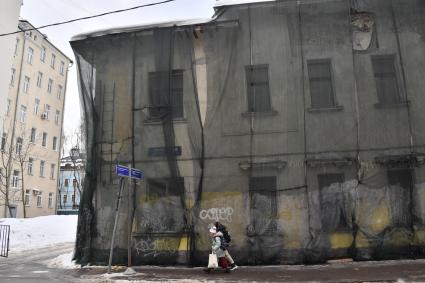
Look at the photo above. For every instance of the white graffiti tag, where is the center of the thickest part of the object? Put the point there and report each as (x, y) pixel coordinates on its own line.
(217, 214)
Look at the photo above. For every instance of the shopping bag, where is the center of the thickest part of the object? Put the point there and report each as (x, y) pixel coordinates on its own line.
(212, 261)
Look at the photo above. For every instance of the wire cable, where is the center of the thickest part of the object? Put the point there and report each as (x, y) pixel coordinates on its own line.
(89, 17)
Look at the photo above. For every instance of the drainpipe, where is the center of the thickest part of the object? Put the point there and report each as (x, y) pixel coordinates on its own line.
(15, 117)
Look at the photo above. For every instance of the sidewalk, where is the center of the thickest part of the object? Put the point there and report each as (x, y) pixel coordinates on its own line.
(382, 271)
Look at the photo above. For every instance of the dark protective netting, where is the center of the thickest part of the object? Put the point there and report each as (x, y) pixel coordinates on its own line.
(297, 124)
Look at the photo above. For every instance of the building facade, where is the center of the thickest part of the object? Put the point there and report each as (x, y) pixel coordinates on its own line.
(32, 132)
(9, 18)
(297, 124)
(71, 181)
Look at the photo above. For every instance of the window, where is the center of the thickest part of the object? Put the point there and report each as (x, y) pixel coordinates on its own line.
(57, 115)
(3, 141)
(400, 183)
(9, 102)
(66, 182)
(18, 148)
(39, 79)
(15, 179)
(44, 140)
(52, 61)
(258, 92)
(159, 93)
(65, 198)
(33, 135)
(39, 199)
(54, 143)
(49, 86)
(59, 91)
(16, 46)
(263, 204)
(27, 197)
(43, 54)
(26, 84)
(52, 171)
(12, 77)
(62, 68)
(29, 55)
(321, 87)
(47, 111)
(36, 106)
(23, 114)
(386, 80)
(42, 163)
(332, 202)
(30, 166)
(73, 198)
(50, 203)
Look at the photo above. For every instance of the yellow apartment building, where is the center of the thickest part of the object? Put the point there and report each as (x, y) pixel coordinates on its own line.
(32, 130)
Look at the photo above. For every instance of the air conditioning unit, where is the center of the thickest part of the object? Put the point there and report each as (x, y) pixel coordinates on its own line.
(44, 115)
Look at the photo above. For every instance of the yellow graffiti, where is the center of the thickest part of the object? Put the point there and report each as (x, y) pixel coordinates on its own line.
(380, 217)
(341, 240)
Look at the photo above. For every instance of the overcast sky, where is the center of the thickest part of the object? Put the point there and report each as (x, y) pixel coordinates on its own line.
(42, 12)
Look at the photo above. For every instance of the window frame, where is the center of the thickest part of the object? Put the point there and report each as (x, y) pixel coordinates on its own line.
(250, 97)
(43, 54)
(53, 61)
(27, 81)
(27, 198)
(42, 167)
(23, 114)
(44, 139)
(30, 55)
(39, 79)
(30, 166)
(330, 79)
(382, 98)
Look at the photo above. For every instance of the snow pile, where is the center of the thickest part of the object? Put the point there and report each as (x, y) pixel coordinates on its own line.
(63, 262)
(38, 232)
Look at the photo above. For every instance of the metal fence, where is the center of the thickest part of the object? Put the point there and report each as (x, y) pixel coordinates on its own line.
(4, 240)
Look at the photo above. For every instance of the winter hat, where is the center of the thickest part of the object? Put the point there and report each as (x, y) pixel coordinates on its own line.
(213, 230)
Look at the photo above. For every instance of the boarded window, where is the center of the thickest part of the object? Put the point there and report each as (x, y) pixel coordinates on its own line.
(263, 204)
(258, 91)
(400, 185)
(166, 94)
(332, 202)
(386, 79)
(321, 87)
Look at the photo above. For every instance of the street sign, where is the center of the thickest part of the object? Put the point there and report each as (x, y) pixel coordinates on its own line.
(122, 171)
(136, 174)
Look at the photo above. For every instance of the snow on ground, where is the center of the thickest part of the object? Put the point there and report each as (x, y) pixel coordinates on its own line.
(38, 232)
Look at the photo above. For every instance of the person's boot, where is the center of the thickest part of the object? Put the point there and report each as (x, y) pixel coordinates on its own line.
(233, 266)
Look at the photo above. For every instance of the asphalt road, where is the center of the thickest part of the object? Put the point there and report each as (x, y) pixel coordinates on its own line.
(31, 266)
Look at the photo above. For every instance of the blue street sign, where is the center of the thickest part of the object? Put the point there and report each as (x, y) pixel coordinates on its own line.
(122, 171)
(136, 174)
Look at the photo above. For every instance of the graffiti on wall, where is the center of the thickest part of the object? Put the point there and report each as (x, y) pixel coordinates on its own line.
(155, 247)
(217, 214)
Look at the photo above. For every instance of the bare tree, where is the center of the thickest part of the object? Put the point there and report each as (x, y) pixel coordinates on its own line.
(14, 154)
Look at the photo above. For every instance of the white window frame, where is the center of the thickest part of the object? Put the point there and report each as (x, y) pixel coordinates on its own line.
(52, 171)
(30, 166)
(50, 85)
(12, 77)
(16, 46)
(26, 84)
(57, 114)
(36, 105)
(15, 179)
(62, 68)
(27, 200)
(33, 135)
(9, 103)
(23, 114)
(30, 55)
(19, 143)
(50, 202)
(39, 79)
(40, 199)
(47, 111)
(59, 94)
(55, 143)
(43, 54)
(53, 61)
(42, 165)
(44, 140)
